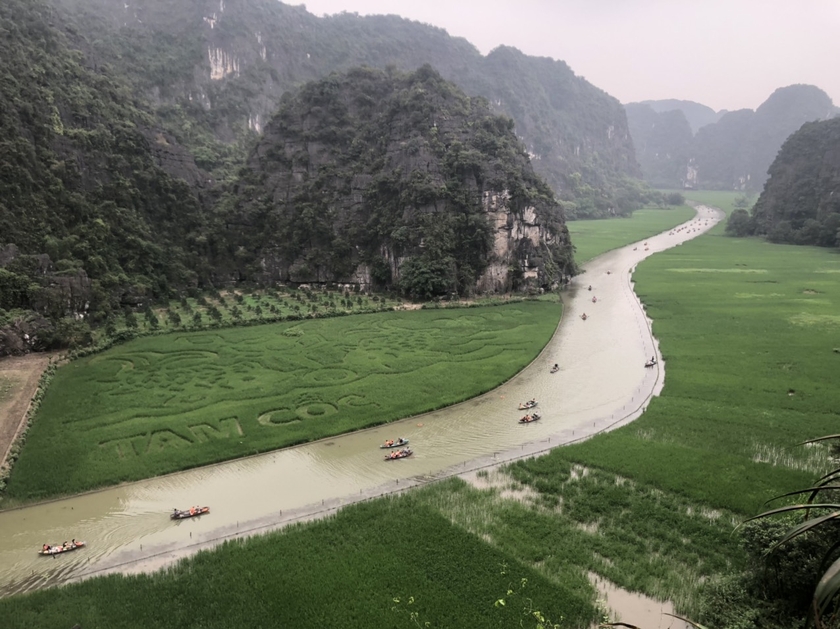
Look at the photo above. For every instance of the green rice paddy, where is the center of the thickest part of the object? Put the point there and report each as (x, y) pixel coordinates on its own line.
(752, 348)
(391, 563)
(165, 403)
(594, 237)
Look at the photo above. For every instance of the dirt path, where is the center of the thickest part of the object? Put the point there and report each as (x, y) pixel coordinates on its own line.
(19, 377)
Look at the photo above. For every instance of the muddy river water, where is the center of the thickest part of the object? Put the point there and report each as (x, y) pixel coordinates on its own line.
(602, 383)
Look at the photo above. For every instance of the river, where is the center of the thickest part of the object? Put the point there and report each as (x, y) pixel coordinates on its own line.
(602, 383)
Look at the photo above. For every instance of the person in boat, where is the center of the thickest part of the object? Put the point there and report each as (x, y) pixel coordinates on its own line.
(46, 548)
(594, 299)
(192, 510)
(590, 287)
(389, 442)
(583, 316)
(64, 545)
(73, 543)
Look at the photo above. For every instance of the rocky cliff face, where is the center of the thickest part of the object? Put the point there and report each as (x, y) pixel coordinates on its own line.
(801, 200)
(395, 180)
(216, 70)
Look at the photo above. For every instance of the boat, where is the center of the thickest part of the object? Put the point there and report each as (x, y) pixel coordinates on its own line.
(57, 550)
(399, 454)
(650, 364)
(524, 406)
(394, 444)
(188, 513)
(527, 419)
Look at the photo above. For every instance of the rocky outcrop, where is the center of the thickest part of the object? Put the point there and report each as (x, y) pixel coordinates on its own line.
(395, 180)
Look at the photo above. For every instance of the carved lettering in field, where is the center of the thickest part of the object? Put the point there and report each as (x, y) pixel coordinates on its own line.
(228, 427)
(160, 440)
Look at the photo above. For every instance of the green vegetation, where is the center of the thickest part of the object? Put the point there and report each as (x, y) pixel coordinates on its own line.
(372, 565)
(163, 403)
(748, 331)
(406, 174)
(594, 237)
(799, 204)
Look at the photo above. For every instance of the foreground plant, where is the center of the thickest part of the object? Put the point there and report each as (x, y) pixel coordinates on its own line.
(823, 611)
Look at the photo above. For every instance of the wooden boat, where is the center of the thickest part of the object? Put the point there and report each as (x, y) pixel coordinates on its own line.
(401, 454)
(57, 550)
(530, 418)
(188, 513)
(399, 443)
(524, 406)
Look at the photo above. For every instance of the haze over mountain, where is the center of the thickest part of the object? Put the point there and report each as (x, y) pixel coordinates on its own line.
(120, 119)
(732, 153)
(215, 72)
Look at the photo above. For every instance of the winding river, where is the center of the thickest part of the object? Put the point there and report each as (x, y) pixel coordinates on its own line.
(602, 383)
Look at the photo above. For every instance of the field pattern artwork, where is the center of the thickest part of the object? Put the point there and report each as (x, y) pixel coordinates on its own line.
(171, 402)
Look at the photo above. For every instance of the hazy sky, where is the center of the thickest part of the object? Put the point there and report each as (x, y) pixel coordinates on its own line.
(725, 54)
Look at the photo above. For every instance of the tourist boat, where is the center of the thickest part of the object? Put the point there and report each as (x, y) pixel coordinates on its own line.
(188, 513)
(401, 454)
(394, 444)
(530, 418)
(57, 550)
(524, 406)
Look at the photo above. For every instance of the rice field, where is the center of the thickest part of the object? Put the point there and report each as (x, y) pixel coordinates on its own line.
(169, 402)
(594, 237)
(389, 563)
(752, 348)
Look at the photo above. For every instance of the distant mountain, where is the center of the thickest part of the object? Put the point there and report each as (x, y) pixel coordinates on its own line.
(801, 199)
(663, 143)
(398, 181)
(696, 114)
(216, 70)
(733, 153)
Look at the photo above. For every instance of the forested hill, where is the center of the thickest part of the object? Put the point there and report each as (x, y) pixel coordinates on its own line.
(733, 153)
(801, 200)
(398, 181)
(215, 70)
(88, 219)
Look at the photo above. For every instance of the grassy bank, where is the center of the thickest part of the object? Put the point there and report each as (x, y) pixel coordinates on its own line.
(341, 572)
(164, 403)
(592, 238)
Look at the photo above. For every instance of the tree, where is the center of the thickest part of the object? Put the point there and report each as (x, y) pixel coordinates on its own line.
(739, 223)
